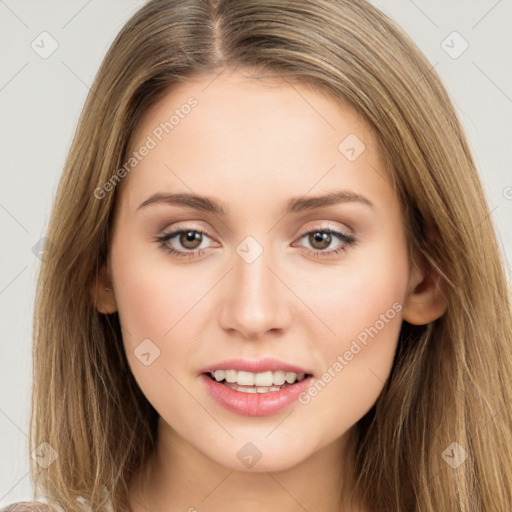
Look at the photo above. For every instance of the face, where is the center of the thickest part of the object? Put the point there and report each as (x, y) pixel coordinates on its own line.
(302, 286)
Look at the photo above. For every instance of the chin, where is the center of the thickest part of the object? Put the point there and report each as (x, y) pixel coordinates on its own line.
(259, 455)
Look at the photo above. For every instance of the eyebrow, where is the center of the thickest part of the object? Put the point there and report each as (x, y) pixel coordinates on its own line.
(294, 205)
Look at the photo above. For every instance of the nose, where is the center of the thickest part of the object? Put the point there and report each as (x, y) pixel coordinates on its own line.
(255, 301)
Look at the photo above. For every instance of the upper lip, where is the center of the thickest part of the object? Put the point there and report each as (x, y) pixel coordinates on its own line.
(256, 366)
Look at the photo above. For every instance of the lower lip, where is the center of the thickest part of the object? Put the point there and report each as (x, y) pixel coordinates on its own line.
(254, 404)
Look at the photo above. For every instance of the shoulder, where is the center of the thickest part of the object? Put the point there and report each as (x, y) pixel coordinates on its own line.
(28, 506)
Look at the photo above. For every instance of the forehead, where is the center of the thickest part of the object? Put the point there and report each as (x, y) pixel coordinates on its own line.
(264, 103)
(233, 131)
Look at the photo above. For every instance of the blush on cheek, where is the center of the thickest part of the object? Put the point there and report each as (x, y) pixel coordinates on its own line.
(150, 298)
(356, 370)
(141, 313)
(370, 344)
(365, 314)
(159, 309)
(356, 308)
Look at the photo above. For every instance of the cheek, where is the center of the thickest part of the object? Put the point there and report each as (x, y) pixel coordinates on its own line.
(157, 306)
(367, 291)
(364, 311)
(155, 298)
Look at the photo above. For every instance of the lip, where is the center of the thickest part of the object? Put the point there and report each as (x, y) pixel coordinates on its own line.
(254, 404)
(256, 366)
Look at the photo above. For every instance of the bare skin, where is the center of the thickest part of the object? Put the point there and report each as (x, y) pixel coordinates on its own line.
(253, 145)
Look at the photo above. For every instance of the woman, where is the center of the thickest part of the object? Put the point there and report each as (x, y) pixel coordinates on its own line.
(366, 368)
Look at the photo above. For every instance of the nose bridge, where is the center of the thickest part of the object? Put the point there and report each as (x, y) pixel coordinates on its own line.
(251, 268)
(256, 303)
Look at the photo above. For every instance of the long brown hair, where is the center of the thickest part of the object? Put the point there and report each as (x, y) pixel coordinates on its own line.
(451, 379)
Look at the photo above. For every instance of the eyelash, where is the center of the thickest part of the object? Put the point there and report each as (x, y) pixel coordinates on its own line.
(348, 240)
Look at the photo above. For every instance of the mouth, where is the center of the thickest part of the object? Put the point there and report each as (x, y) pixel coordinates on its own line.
(263, 382)
(255, 387)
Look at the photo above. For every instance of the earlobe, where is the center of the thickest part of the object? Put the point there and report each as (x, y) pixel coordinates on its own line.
(426, 300)
(102, 292)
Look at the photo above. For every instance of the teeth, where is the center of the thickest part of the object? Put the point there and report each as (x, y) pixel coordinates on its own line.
(253, 389)
(279, 378)
(290, 377)
(245, 378)
(248, 390)
(230, 375)
(264, 380)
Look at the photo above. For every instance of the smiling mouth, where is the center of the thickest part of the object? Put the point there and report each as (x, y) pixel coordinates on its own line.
(264, 382)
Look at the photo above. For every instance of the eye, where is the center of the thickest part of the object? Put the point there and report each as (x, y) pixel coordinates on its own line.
(190, 239)
(322, 238)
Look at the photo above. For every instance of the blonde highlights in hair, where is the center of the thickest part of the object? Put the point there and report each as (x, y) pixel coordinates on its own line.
(450, 380)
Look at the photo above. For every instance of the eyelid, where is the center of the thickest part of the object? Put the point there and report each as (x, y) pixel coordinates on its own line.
(345, 236)
(186, 226)
(347, 231)
(328, 227)
(346, 239)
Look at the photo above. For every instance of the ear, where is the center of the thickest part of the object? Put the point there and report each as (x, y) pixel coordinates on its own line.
(102, 292)
(425, 301)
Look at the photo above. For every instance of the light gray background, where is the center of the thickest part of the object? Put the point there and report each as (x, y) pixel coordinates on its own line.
(41, 100)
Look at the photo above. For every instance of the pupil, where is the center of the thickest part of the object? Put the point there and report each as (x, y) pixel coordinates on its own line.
(320, 237)
(190, 237)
